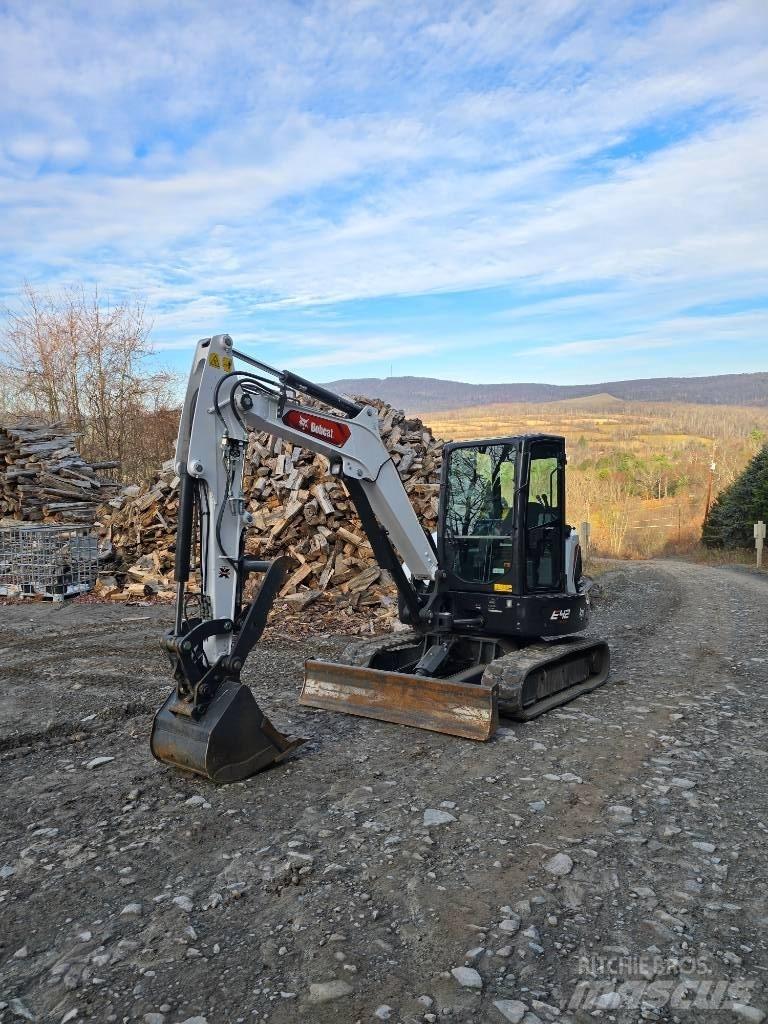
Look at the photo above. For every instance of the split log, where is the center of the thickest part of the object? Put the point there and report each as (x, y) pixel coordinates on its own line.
(43, 478)
(298, 508)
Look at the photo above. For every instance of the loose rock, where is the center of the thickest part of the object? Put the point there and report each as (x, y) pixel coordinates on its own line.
(433, 816)
(559, 865)
(511, 1010)
(467, 977)
(326, 991)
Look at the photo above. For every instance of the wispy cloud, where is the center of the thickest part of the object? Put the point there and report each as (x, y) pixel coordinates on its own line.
(447, 181)
(704, 330)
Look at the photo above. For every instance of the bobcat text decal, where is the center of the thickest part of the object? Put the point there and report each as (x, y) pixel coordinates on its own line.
(330, 431)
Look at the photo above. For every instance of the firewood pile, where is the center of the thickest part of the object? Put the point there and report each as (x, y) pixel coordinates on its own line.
(298, 508)
(43, 479)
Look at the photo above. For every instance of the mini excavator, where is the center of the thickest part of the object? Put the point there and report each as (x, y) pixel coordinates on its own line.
(492, 606)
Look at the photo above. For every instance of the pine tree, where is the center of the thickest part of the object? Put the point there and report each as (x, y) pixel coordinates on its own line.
(737, 508)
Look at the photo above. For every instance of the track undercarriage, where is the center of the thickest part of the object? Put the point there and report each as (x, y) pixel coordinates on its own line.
(417, 677)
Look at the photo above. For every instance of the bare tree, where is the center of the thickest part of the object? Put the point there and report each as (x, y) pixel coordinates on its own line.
(75, 357)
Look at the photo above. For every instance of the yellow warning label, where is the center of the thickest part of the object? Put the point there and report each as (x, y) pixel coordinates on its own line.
(503, 588)
(220, 362)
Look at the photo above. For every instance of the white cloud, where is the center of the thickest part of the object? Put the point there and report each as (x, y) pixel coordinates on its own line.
(704, 330)
(230, 160)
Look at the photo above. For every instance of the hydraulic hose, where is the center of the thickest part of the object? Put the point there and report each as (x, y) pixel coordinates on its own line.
(183, 553)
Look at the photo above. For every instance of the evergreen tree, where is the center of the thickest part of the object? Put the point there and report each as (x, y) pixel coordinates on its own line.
(736, 509)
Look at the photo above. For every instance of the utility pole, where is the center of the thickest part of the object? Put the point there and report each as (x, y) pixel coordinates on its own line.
(584, 537)
(712, 468)
(759, 531)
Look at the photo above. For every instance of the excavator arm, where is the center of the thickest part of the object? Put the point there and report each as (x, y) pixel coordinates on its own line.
(211, 723)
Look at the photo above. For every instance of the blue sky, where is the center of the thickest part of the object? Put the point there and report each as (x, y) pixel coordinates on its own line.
(553, 190)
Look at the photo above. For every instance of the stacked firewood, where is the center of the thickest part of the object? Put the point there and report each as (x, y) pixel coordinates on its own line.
(298, 509)
(43, 479)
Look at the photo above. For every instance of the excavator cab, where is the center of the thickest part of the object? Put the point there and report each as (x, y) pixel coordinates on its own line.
(502, 526)
(477, 521)
(493, 632)
(509, 562)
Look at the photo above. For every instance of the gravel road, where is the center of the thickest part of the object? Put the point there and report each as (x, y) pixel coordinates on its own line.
(606, 861)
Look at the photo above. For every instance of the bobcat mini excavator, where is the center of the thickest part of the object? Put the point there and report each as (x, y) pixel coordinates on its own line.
(493, 606)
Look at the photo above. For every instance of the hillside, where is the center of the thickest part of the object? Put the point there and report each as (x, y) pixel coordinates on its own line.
(637, 471)
(426, 394)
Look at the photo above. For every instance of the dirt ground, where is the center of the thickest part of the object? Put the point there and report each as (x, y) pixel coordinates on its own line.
(608, 860)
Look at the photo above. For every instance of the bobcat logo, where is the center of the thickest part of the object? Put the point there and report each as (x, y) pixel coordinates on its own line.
(331, 431)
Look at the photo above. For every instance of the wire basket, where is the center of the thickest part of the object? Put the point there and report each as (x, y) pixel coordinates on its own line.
(47, 561)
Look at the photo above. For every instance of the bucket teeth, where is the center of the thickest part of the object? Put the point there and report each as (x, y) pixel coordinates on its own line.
(439, 705)
(230, 741)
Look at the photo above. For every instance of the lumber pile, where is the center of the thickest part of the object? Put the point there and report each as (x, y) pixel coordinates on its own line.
(43, 479)
(298, 508)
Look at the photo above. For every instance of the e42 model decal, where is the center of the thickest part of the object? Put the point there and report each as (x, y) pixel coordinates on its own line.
(560, 615)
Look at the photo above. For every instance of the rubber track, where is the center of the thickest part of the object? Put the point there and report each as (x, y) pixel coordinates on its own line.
(510, 672)
(360, 652)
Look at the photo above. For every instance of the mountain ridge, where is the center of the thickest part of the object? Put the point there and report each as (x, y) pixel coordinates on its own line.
(429, 394)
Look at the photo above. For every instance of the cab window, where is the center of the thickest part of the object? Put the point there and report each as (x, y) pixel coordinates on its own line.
(544, 525)
(480, 512)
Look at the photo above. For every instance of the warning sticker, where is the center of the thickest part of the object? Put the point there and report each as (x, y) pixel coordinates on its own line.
(220, 362)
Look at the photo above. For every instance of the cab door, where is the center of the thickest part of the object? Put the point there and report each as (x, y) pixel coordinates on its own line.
(544, 515)
(477, 536)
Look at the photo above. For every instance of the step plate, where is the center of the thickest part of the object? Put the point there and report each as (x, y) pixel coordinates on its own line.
(457, 709)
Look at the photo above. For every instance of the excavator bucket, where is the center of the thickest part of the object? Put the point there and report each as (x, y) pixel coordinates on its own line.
(230, 741)
(440, 705)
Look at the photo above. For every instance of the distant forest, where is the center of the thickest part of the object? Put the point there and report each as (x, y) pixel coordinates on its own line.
(426, 394)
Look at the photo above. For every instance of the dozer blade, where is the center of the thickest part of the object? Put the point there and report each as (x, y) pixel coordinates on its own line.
(458, 709)
(232, 740)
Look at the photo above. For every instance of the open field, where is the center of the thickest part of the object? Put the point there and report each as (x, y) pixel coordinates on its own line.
(603, 421)
(638, 471)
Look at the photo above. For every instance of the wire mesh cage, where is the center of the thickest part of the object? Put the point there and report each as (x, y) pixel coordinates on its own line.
(48, 561)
